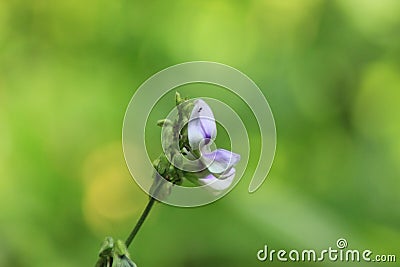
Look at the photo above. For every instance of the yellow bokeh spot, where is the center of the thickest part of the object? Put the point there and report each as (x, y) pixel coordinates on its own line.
(111, 196)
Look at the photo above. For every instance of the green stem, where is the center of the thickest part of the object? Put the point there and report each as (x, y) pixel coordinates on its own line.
(140, 221)
(146, 211)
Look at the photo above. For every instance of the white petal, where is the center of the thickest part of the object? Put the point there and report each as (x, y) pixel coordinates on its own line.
(217, 184)
(227, 174)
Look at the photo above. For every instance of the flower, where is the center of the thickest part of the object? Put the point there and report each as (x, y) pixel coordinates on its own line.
(201, 126)
(219, 163)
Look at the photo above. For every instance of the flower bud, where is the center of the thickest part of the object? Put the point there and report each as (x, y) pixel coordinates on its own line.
(164, 122)
(178, 99)
(114, 254)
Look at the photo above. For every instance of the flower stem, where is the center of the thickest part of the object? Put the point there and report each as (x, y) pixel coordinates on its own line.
(140, 221)
(158, 186)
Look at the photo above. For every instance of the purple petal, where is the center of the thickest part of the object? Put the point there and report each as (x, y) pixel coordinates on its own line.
(216, 183)
(220, 160)
(201, 124)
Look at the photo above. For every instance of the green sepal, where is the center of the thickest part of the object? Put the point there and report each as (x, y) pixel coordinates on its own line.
(123, 261)
(106, 246)
(121, 255)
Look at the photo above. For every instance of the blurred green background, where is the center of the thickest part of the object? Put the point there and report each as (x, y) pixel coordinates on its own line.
(329, 69)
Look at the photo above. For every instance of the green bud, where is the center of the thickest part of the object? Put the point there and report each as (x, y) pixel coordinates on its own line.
(114, 254)
(106, 253)
(106, 247)
(121, 255)
(178, 98)
(120, 248)
(156, 162)
(171, 169)
(164, 122)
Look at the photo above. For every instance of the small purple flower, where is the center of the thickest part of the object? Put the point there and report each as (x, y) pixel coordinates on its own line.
(201, 127)
(219, 163)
